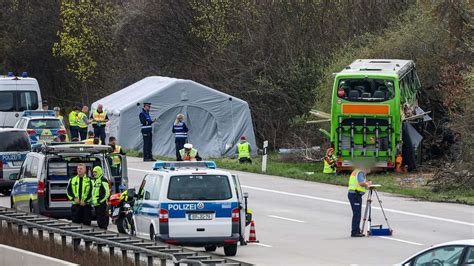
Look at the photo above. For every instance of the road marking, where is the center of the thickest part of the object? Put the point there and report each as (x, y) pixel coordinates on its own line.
(260, 244)
(401, 240)
(287, 219)
(140, 170)
(347, 203)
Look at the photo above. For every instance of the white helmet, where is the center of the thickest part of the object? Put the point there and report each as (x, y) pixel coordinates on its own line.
(188, 146)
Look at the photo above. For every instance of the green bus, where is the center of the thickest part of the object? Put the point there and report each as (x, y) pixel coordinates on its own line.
(375, 114)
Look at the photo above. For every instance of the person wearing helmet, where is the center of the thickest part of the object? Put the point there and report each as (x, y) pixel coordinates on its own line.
(243, 151)
(188, 153)
(329, 162)
(100, 196)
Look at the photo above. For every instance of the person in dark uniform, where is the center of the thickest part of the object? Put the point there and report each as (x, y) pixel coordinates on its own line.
(147, 129)
(180, 131)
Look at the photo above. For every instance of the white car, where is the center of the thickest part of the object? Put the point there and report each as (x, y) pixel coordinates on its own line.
(192, 204)
(459, 252)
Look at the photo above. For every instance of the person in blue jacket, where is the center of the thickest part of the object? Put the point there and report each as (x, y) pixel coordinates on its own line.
(180, 131)
(147, 131)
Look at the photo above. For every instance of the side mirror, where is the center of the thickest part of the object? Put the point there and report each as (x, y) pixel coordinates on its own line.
(13, 176)
(147, 195)
(246, 195)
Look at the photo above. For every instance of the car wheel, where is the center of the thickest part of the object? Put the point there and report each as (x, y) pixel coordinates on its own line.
(230, 250)
(210, 248)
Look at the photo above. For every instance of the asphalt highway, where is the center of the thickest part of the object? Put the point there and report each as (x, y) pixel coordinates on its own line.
(306, 223)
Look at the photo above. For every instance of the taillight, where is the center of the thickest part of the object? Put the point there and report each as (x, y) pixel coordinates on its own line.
(1, 169)
(31, 131)
(40, 188)
(340, 92)
(163, 216)
(61, 132)
(235, 215)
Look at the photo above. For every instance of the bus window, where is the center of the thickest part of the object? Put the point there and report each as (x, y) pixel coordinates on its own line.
(7, 101)
(365, 90)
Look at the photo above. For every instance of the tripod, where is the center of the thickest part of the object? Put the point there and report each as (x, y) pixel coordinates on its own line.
(368, 215)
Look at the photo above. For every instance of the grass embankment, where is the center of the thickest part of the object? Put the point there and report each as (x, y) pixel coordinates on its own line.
(412, 185)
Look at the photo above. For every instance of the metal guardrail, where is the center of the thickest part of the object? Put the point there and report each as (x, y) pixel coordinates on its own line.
(111, 240)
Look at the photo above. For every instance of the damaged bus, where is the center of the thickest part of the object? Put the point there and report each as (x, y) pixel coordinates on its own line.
(375, 114)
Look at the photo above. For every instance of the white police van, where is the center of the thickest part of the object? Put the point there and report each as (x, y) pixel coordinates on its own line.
(192, 204)
(17, 94)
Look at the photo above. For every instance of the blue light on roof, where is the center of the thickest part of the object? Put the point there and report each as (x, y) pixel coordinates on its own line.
(158, 165)
(211, 164)
(24, 74)
(10, 74)
(38, 113)
(186, 164)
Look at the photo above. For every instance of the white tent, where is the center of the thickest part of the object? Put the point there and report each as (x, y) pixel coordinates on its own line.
(215, 120)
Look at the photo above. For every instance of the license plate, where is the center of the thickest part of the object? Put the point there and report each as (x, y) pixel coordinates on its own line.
(116, 212)
(200, 216)
(17, 163)
(48, 137)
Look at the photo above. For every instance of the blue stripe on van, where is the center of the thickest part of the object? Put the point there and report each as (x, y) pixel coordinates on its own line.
(178, 210)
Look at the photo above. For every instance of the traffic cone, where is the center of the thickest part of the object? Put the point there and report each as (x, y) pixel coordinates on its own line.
(253, 234)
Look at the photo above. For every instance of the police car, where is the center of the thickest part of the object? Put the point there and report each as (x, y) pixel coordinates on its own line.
(14, 145)
(191, 204)
(41, 184)
(42, 126)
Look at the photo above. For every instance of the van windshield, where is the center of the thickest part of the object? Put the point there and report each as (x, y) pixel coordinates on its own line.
(199, 187)
(14, 101)
(14, 141)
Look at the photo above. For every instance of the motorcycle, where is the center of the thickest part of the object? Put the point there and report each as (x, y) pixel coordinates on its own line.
(121, 211)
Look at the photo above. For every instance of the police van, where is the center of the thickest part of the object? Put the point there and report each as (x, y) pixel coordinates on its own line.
(192, 204)
(17, 94)
(41, 185)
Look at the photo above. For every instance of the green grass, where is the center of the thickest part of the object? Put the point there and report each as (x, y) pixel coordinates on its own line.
(391, 182)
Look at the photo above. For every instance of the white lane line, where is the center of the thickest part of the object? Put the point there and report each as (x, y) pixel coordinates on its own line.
(140, 170)
(260, 244)
(347, 203)
(401, 240)
(287, 219)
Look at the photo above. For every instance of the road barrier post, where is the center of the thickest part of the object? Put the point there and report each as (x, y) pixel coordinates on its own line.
(264, 157)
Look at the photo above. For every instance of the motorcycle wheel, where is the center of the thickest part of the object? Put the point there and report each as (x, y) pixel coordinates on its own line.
(124, 226)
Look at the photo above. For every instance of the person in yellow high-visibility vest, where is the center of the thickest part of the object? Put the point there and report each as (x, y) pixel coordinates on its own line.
(243, 151)
(83, 122)
(116, 164)
(99, 120)
(90, 138)
(329, 162)
(73, 116)
(356, 189)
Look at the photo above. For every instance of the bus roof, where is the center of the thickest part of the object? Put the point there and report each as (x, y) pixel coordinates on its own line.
(379, 66)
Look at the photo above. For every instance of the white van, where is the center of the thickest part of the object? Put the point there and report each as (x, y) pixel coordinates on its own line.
(17, 94)
(192, 204)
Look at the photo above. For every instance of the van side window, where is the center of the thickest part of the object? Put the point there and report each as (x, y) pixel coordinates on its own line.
(34, 167)
(7, 101)
(27, 168)
(156, 189)
(148, 188)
